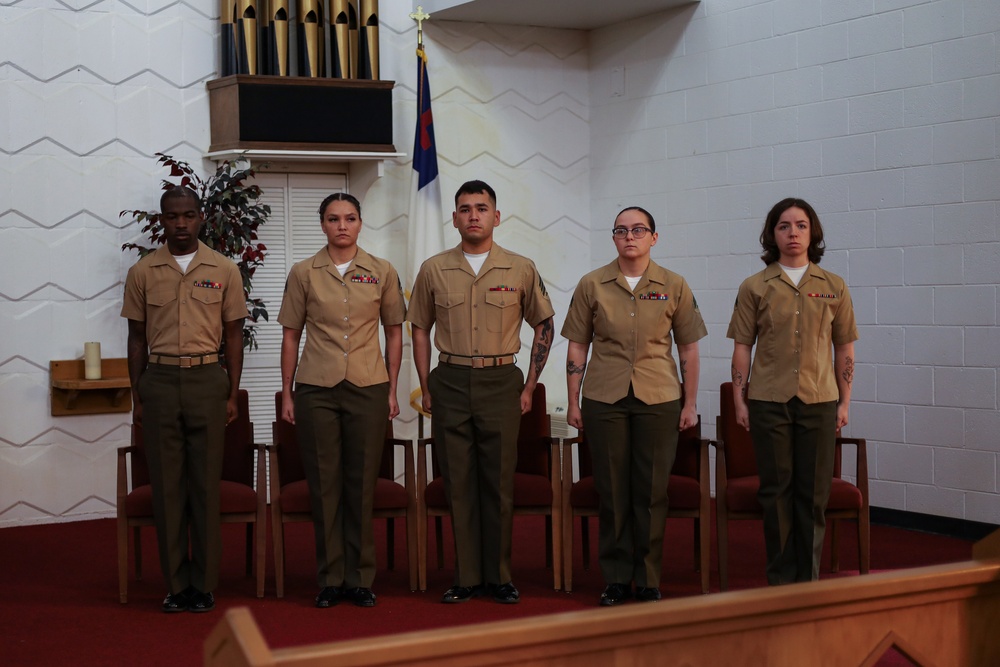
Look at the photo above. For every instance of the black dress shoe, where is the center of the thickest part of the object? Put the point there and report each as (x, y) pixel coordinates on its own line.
(457, 594)
(175, 602)
(615, 594)
(201, 602)
(647, 594)
(362, 597)
(506, 593)
(328, 597)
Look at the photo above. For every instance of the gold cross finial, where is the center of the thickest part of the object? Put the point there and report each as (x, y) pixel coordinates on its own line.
(420, 16)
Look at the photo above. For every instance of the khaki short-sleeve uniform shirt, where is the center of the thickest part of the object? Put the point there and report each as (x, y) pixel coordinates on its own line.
(478, 315)
(632, 332)
(184, 312)
(795, 329)
(341, 316)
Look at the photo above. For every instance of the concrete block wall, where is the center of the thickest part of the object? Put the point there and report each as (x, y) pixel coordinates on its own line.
(885, 116)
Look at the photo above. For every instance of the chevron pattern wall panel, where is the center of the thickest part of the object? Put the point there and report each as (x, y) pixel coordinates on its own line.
(91, 90)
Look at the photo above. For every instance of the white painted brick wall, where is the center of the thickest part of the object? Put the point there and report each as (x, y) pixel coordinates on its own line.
(971, 304)
(965, 387)
(941, 428)
(909, 386)
(887, 123)
(905, 463)
(934, 345)
(963, 469)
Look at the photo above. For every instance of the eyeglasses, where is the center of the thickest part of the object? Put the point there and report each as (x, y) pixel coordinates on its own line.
(637, 232)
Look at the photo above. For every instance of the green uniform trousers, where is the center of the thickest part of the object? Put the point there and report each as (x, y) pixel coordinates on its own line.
(184, 430)
(632, 446)
(794, 444)
(341, 436)
(477, 415)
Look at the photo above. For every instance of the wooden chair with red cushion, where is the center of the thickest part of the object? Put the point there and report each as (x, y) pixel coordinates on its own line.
(290, 494)
(737, 483)
(689, 492)
(537, 487)
(242, 496)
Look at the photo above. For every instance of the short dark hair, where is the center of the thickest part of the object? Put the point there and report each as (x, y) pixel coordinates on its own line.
(816, 244)
(475, 188)
(180, 192)
(649, 216)
(339, 196)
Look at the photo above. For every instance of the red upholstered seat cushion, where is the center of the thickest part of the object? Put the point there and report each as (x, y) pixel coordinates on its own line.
(684, 493)
(140, 501)
(532, 490)
(584, 493)
(741, 495)
(389, 495)
(434, 495)
(236, 498)
(295, 498)
(844, 496)
(233, 498)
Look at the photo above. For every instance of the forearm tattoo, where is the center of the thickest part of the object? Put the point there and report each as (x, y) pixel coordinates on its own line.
(848, 373)
(737, 377)
(683, 369)
(575, 369)
(541, 351)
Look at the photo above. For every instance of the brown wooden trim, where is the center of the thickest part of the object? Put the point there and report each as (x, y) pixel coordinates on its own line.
(947, 613)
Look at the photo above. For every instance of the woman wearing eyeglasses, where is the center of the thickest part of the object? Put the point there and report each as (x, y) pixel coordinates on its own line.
(345, 392)
(631, 311)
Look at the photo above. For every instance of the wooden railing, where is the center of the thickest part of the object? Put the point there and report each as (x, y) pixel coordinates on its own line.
(944, 615)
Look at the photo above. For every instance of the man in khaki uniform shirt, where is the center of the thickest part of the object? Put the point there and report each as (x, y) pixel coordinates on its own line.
(182, 397)
(632, 310)
(344, 393)
(476, 392)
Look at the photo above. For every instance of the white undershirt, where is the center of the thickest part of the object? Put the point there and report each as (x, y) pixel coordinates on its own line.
(632, 281)
(794, 274)
(343, 267)
(184, 261)
(476, 261)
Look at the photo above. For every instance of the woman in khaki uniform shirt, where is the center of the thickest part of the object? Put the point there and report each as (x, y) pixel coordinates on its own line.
(344, 392)
(802, 321)
(632, 411)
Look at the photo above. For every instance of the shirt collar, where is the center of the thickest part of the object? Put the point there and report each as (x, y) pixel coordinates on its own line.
(654, 273)
(362, 261)
(203, 255)
(497, 259)
(774, 270)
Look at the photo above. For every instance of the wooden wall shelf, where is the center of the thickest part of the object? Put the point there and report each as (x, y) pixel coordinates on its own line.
(72, 394)
(300, 114)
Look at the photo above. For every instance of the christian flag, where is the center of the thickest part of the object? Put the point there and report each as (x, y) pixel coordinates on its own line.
(426, 232)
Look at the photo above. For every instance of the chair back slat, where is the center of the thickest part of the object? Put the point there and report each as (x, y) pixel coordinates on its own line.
(387, 468)
(239, 452)
(532, 451)
(137, 460)
(740, 461)
(286, 446)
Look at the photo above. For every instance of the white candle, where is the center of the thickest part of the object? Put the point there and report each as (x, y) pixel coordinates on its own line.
(92, 361)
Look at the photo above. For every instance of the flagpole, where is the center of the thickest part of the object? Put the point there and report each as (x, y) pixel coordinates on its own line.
(426, 219)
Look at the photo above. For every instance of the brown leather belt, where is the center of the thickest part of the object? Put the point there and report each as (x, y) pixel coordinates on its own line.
(185, 361)
(478, 362)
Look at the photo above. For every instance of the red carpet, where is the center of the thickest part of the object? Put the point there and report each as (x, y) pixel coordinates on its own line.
(59, 594)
